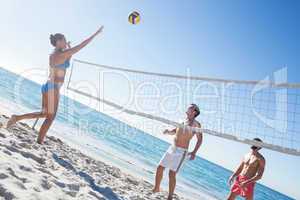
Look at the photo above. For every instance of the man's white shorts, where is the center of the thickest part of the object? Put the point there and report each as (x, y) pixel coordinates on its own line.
(174, 158)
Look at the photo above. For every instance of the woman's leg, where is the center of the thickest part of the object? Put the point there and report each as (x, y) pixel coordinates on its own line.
(41, 114)
(51, 106)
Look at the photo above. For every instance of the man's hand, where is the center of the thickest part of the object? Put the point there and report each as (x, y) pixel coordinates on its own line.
(244, 184)
(192, 155)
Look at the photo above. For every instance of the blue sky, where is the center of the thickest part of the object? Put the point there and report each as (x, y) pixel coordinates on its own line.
(224, 39)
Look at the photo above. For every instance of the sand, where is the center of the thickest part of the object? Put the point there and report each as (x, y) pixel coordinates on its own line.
(56, 171)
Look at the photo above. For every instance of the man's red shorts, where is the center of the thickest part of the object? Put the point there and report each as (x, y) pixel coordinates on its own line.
(246, 191)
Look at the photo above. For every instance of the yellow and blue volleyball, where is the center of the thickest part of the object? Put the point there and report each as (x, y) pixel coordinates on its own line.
(134, 18)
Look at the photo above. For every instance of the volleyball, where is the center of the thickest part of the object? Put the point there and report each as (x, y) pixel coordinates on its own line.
(134, 17)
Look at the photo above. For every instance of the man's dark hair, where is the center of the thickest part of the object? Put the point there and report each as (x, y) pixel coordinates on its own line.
(255, 147)
(257, 139)
(196, 109)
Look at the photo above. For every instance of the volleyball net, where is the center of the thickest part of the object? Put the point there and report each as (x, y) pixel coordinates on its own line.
(232, 109)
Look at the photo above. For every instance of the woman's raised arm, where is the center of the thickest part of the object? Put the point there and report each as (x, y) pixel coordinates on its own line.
(71, 51)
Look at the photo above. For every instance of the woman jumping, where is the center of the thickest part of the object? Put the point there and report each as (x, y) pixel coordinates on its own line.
(59, 61)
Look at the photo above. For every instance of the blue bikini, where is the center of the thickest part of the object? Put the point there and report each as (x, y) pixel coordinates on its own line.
(64, 65)
(50, 85)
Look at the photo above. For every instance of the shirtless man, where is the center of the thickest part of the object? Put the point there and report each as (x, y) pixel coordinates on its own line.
(250, 170)
(176, 154)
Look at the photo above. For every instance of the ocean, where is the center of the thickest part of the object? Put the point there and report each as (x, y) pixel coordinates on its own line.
(113, 141)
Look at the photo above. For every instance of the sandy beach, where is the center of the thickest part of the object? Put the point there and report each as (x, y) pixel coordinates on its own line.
(56, 171)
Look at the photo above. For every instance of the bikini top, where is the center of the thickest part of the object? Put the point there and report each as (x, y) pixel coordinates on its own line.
(64, 65)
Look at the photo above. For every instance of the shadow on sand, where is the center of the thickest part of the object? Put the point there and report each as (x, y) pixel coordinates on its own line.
(104, 191)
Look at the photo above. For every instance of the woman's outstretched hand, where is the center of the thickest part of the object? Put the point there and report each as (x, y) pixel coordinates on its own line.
(99, 30)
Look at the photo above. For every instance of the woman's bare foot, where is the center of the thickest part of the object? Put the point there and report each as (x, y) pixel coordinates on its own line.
(11, 121)
(39, 141)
